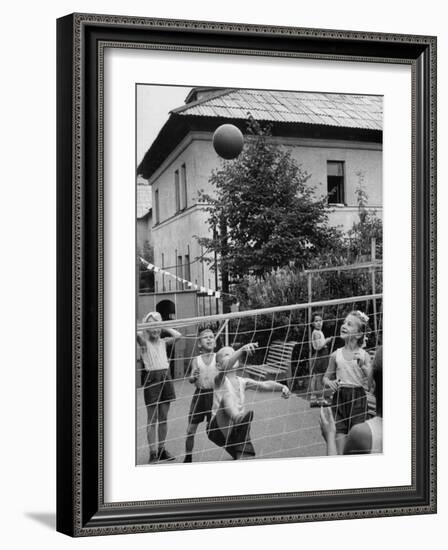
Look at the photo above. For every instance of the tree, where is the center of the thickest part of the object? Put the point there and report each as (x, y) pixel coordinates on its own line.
(263, 214)
(367, 228)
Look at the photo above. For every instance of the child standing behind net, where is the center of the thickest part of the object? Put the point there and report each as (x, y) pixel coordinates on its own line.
(319, 362)
(230, 424)
(158, 389)
(349, 375)
(203, 373)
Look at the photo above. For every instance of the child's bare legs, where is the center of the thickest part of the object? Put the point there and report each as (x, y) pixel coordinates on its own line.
(189, 442)
(319, 387)
(340, 443)
(163, 425)
(151, 411)
(313, 387)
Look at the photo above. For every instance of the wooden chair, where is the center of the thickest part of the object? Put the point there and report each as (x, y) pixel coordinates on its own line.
(277, 366)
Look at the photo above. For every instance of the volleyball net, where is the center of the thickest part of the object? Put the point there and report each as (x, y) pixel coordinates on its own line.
(283, 334)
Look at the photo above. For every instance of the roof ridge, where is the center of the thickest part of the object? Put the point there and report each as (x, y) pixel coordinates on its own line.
(220, 93)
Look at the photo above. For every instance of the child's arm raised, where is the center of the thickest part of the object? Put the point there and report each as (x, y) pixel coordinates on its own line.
(268, 385)
(173, 335)
(232, 360)
(330, 374)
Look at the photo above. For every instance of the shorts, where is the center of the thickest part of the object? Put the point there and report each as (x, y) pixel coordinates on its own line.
(238, 445)
(349, 407)
(158, 387)
(201, 406)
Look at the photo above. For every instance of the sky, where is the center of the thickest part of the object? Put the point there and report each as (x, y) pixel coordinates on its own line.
(154, 103)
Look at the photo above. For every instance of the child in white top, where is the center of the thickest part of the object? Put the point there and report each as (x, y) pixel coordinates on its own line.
(203, 373)
(158, 389)
(366, 437)
(319, 361)
(349, 375)
(230, 423)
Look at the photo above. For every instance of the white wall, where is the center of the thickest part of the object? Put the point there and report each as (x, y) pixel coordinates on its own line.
(28, 262)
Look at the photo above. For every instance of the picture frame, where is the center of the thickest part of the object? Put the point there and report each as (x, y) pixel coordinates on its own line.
(81, 42)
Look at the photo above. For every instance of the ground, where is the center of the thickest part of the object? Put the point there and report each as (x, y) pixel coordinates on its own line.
(281, 427)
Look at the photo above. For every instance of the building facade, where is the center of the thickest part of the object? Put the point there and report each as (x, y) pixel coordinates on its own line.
(335, 138)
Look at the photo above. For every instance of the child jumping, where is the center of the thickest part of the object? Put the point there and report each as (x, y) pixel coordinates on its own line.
(349, 375)
(203, 373)
(319, 362)
(230, 423)
(158, 389)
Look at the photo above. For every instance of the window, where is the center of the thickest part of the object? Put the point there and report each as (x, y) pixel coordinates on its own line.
(179, 273)
(187, 275)
(183, 173)
(156, 207)
(335, 182)
(177, 190)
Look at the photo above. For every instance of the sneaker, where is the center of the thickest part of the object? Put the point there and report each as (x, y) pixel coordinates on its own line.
(164, 456)
(188, 458)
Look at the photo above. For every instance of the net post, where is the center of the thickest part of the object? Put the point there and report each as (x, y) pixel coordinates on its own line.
(372, 276)
(310, 297)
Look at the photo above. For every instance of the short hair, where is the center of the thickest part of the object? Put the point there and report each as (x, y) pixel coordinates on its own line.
(220, 353)
(203, 330)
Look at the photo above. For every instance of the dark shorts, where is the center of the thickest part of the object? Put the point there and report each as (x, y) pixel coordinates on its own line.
(201, 406)
(238, 445)
(158, 387)
(349, 408)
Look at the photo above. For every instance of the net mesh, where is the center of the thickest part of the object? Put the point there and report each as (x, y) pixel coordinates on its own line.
(285, 353)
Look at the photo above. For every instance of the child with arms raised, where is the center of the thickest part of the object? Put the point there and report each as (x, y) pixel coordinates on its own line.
(230, 424)
(158, 389)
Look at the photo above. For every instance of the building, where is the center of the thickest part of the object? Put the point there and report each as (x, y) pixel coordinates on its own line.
(143, 213)
(337, 139)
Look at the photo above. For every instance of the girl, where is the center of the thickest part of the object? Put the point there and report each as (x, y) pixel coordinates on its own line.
(363, 438)
(203, 373)
(319, 362)
(158, 389)
(349, 375)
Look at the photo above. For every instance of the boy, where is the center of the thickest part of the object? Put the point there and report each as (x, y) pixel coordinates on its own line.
(203, 373)
(158, 389)
(230, 424)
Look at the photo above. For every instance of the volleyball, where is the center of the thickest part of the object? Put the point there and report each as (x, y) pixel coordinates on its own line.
(228, 141)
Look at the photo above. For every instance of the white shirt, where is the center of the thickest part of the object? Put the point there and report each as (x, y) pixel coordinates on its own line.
(154, 355)
(205, 373)
(349, 373)
(233, 388)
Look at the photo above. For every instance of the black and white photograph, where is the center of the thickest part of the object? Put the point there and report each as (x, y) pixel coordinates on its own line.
(259, 274)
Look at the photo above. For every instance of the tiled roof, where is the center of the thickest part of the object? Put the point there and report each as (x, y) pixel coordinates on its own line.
(144, 198)
(343, 110)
